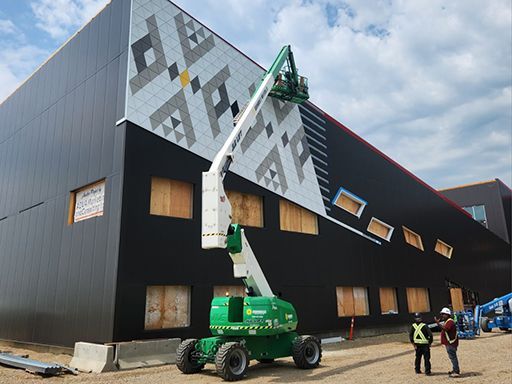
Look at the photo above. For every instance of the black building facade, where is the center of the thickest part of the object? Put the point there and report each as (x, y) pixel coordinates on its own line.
(489, 203)
(143, 97)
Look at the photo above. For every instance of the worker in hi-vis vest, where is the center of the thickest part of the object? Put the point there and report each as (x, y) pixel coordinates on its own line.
(421, 337)
(449, 339)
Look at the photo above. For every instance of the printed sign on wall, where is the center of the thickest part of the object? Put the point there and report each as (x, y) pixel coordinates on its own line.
(89, 201)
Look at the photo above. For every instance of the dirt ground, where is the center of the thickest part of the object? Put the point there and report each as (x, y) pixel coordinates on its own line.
(383, 359)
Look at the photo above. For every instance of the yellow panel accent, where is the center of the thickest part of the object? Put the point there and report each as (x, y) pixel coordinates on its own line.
(184, 78)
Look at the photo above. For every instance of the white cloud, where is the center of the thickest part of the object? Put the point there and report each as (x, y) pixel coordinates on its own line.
(59, 17)
(7, 27)
(16, 64)
(17, 58)
(427, 83)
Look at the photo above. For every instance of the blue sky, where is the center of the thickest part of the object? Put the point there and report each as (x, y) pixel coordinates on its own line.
(428, 82)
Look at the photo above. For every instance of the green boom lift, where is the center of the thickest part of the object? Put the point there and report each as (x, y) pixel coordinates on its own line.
(260, 326)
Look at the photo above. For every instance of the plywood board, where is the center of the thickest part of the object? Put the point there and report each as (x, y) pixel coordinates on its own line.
(171, 198)
(379, 229)
(418, 300)
(361, 307)
(309, 222)
(388, 300)
(247, 209)
(297, 219)
(412, 238)
(443, 248)
(154, 299)
(457, 300)
(345, 301)
(228, 290)
(348, 204)
(176, 307)
(289, 216)
(167, 307)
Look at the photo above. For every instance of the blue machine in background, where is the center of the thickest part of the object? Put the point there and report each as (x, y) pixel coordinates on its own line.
(470, 322)
(466, 326)
(502, 309)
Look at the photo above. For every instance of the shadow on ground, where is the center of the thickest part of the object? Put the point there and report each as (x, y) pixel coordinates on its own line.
(287, 372)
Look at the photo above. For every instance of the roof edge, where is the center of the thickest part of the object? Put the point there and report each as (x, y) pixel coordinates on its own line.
(468, 185)
(394, 163)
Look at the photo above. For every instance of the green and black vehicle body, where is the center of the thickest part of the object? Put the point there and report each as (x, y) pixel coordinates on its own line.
(264, 325)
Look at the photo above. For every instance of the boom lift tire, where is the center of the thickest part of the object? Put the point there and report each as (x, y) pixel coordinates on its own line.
(231, 361)
(307, 352)
(184, 359)
(484, 324)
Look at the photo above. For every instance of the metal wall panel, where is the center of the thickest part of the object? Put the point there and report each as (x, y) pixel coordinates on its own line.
(495, 196)
(58, 133)
(506, 198)
(304, 269)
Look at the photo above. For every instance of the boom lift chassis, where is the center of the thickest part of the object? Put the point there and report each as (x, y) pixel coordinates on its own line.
(260, 326)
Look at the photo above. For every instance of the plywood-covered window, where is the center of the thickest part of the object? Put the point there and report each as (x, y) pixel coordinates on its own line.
(444, 249)
(297, 219)
(167, 306)
(349, 202)
(412, 238)
(388, 301)
(380, 228)
(418, 300)
(352, 301)
(87, 202)
(246, 209)
(457, 300)
(228, 290)
(171, 198)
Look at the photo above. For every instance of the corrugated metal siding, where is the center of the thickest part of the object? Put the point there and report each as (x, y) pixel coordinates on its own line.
(506, 198)
(58, 133)
(493, 196)
(306, 269)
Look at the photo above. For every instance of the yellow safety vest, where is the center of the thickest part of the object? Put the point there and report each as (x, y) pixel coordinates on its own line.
(419, 337)
(450, 341)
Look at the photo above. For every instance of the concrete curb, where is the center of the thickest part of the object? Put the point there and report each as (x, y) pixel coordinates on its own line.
(145, 353)
(97, 358)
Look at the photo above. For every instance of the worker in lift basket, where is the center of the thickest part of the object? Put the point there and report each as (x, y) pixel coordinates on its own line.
(421, 337)
(449, 339)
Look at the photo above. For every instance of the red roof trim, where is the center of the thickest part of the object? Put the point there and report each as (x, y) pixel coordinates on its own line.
(390, 160)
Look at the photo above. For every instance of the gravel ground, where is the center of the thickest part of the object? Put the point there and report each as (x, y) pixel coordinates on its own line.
(383, 359)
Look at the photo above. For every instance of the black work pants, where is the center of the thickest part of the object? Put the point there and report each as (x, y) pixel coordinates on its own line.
(422, 350)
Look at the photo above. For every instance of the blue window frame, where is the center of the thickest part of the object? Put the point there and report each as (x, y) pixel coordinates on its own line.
(349, 202)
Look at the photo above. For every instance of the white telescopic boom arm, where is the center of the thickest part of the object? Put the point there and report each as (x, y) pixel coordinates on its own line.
(216, 215)
(216, 209)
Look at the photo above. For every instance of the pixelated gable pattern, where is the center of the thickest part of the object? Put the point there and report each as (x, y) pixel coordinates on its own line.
(186, 85)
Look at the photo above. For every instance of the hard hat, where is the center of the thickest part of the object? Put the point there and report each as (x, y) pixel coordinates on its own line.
(446, 311)
(417, 316)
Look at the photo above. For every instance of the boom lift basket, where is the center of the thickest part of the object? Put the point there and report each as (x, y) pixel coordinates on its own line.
(289, 85)
(285, 88)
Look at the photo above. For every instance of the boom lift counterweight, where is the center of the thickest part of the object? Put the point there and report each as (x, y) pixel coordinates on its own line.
(260, 326)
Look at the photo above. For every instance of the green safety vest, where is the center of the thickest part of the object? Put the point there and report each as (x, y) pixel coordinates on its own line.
(450, 341)
(419, 337)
